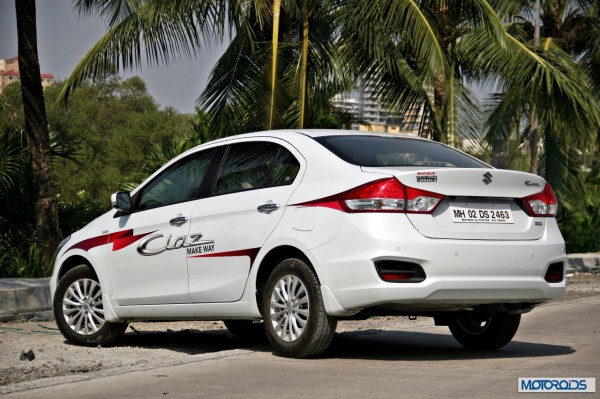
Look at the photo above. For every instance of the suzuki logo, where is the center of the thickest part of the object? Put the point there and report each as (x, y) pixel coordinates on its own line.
(487, 178)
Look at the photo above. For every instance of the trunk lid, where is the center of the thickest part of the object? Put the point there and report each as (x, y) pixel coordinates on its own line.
(479, 204)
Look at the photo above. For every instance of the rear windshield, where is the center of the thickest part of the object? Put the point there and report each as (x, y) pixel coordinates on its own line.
(396, 151)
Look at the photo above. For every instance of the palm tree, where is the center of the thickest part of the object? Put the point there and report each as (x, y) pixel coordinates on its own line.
(36, 129)
(566, 110)
(420, 54)
(21, 255)
(263, 79)
(273, 61)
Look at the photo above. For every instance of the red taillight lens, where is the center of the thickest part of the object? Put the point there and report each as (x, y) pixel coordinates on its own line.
(389, 195)
(385, 195)
(541, 204)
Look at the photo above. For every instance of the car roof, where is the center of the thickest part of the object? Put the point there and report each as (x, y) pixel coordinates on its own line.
(291, 134)
(313, 133)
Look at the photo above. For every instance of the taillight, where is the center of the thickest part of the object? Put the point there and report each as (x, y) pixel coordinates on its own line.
(421, 201)
(541, 204)
(389, 195)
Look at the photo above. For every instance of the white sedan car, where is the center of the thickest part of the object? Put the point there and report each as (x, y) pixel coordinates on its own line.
(285, 232)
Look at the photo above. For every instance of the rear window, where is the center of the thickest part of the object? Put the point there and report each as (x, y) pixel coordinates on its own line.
(396, 151)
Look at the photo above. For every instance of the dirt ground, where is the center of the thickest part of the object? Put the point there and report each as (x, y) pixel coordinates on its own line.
(148, 345)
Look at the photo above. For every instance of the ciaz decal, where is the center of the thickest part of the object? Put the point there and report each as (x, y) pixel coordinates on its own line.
(190, 242)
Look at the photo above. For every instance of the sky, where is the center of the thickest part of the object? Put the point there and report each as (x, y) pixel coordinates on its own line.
(64, 37)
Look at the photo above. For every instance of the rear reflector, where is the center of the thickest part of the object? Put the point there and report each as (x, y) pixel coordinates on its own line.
(555, 273)
(395, 271)
(541, 204)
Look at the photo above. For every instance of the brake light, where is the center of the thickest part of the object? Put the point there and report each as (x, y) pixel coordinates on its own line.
(541, 204)
(389, 195)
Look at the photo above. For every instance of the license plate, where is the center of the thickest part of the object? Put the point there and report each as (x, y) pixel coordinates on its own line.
(481, 213)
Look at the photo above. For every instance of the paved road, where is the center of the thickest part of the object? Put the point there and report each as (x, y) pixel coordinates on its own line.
(557, 340)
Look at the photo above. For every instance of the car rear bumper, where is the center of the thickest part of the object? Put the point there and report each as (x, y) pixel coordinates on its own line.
(460, 274)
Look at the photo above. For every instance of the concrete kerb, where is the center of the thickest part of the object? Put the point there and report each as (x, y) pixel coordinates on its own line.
(24, 298)
(29, 298)
(584, 263)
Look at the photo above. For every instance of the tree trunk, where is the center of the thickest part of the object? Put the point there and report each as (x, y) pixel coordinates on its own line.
(304, 62)
(439, 95)
(275, 43)
(533, 143)
(533, 132)
(36, 129)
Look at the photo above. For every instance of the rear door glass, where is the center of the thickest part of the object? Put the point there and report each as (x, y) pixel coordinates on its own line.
(247, 166)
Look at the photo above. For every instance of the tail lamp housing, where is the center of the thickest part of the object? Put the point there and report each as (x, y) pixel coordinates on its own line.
(389, 195)
(541, 204)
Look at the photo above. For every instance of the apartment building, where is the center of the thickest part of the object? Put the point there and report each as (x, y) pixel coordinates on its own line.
(9, 73)
(372, 114)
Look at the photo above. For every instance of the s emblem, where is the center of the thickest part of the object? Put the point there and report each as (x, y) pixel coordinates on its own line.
(487, 178)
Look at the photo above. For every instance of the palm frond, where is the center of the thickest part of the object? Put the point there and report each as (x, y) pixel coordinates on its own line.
(111, 11)
(159, 31)
(13, 157)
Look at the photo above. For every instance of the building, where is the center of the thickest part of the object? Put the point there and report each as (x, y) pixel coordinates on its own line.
(373, 116)
(9, 73)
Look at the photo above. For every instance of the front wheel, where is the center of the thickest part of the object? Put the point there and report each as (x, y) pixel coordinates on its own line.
(485, 332)
(79, 310)
(295, 319)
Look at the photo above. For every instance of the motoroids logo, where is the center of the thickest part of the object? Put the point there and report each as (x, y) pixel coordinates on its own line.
(552, 384)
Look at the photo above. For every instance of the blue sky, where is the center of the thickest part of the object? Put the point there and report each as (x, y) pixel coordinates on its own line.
(64, 37)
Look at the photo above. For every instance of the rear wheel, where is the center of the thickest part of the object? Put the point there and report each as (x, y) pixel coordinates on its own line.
(295, 319)
(79, 310)
(485, 332)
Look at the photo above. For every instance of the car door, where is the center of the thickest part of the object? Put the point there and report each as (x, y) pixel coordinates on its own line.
(147, 265)
(249, 195)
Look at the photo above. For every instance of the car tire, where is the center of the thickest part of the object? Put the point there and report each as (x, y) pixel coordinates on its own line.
(490, 332)
(295, 319)
(247, 331)
(79, 312)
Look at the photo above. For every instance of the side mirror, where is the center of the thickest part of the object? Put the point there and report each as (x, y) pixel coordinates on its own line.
(121, 201)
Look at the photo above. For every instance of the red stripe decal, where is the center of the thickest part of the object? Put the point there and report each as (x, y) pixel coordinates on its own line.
(90, 243)
(331, 202)
(252, 252)
(323, 204)
(120, 240)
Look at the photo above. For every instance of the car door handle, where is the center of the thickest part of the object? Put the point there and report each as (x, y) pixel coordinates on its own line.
(178, 221)
(267, 208)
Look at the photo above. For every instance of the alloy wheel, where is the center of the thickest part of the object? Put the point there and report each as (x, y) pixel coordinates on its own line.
(82, 306)
(289, 308)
